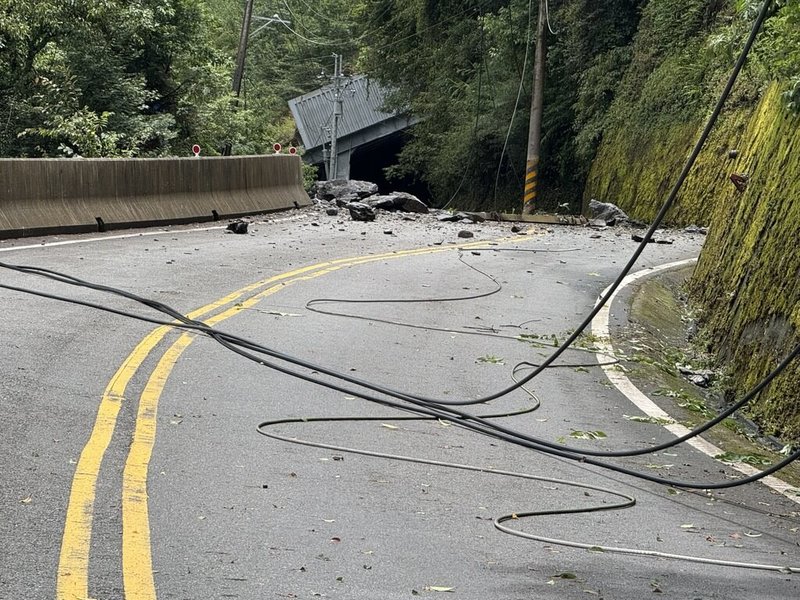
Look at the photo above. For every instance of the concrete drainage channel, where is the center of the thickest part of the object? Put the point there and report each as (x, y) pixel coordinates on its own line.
(600, 329)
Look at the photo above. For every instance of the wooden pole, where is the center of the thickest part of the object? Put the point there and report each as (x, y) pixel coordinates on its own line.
(537, 106)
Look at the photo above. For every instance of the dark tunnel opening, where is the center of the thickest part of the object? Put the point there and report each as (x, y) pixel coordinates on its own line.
(370, 161)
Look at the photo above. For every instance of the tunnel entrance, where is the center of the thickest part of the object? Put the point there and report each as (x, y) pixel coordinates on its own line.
(370, 161)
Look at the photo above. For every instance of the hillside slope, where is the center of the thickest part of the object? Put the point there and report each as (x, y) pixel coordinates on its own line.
(746, 283)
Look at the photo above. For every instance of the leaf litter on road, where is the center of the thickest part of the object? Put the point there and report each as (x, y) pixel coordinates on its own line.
(587, 435)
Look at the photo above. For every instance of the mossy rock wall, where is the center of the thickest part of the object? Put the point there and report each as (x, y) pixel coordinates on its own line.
(747, 283)
(748, 278)
(637, 167)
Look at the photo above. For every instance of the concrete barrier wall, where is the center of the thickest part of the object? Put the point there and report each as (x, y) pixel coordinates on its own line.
(40, 196)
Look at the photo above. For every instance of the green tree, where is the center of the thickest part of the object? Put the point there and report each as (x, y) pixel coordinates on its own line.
(106, 77)
(464, 68)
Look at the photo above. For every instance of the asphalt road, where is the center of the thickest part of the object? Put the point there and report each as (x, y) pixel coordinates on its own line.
(133, 468)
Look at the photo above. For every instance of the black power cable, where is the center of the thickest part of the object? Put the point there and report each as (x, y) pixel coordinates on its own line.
(439, 409)
(410, 403)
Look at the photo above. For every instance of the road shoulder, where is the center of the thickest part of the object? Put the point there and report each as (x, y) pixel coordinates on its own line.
(647, 328)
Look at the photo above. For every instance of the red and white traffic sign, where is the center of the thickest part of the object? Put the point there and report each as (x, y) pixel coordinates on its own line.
(196, 150)
(292, 150)
(277, 148)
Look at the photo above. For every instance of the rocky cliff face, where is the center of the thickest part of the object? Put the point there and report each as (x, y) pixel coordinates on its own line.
(748, 279)
(746, 186)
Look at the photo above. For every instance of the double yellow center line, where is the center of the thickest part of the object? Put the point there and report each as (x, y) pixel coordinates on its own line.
(73, 568)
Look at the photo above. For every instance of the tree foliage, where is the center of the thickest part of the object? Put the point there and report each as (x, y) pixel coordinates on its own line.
(465, 67)
(105, 77)
(153, 77)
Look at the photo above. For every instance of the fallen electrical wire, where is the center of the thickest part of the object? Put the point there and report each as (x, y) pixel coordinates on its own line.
(449, 410)
(445, 408)
(454, 411)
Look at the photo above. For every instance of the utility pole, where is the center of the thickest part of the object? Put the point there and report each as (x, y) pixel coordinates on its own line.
(537, 105)
(241, 55)
(338, 111)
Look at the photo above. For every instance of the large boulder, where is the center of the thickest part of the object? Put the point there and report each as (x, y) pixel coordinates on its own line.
(361, 212)
(346, 199)
(381, 202)
(606, 212)
(401, 201)
(341, 188)
(409, 203)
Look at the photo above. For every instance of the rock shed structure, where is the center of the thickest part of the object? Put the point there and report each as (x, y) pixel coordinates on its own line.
(369, 138)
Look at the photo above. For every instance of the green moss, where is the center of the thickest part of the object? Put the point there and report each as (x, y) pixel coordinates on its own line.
(747, 277)
(638, 167)
(746, 283)
(747, 280)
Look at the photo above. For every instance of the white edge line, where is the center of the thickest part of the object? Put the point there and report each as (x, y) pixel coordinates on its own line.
(133, 235)
(600, 329)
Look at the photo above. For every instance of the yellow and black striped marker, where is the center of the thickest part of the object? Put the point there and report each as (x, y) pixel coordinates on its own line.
(531, 173)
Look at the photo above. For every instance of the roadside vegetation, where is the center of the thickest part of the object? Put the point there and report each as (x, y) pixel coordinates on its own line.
(629, 79)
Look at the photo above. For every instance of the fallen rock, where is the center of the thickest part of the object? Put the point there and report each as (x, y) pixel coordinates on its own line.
(640, 238)
(607, 212)
(339, 188)
(473, 217)
(361, 212)
(239, 227)
(465, 234)
(448, 218)
(332, 212)
(346, 199)
(382, 202)
(410, 203)
(701, 378)
(401, 201)
(696, 229)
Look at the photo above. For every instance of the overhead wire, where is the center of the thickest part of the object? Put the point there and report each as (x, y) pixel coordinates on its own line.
(426, 29)
(304, 38)
(336, 21)
(468, 164)
(364, 35)
(547, 16)
(316, 12)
